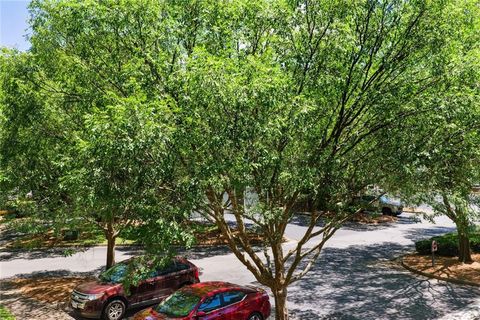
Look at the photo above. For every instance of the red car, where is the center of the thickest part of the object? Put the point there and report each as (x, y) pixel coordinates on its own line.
(211, 301)
(105, 298)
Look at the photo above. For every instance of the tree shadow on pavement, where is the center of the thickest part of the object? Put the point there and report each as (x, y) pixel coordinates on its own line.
(303, 220)
(425, 233)
(363, 282)
(8, 254)
(59, 274)
(201, 252)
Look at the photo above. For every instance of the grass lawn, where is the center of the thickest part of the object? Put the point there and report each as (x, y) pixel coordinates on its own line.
(5, 314)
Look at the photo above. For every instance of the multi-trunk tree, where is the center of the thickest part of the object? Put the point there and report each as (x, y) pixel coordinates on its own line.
(295, 101)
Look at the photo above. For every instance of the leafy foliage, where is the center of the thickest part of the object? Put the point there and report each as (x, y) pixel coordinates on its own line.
(150, 110)
(447, 244)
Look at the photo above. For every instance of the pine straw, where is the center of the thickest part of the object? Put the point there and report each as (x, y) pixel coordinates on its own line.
(446, 267)
(214, 237)
(371, 219)
(48, 289)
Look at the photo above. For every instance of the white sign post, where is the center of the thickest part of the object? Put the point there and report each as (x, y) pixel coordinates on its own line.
(434, 248)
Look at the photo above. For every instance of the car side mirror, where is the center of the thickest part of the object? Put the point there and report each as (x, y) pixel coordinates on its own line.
(200, 314)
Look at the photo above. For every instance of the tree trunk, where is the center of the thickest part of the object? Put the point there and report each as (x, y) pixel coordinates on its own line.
(464, 254)
(281, 311)
(111, 238)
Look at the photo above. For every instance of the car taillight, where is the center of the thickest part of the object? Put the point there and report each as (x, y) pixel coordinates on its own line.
(197, 273)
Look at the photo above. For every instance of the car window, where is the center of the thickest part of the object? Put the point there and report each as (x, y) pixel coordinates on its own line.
(368, 198)
(179, 304)
(211, 303)
(182, 266)
(115, 274)
(148, 275)
(232, 297)
(171, 267)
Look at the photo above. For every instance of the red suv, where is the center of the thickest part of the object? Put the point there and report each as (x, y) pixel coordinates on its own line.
(105, 298)
(211, 301)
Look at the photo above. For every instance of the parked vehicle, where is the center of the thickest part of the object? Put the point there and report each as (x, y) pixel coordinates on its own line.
(209, 301)
(383, 204)
(106, 298)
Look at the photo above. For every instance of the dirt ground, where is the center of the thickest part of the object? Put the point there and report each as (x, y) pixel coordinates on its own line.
(366, 218)
(446, 267)
(51, 290)
(20, 304)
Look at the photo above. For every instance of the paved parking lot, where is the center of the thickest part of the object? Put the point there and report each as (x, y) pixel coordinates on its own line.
(354, 278)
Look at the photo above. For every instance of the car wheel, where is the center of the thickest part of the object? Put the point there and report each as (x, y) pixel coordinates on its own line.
(114, 310)
(255, 316)
(387, 211)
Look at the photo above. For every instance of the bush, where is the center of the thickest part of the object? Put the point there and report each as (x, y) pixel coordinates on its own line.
(447, 244)
(5, 314)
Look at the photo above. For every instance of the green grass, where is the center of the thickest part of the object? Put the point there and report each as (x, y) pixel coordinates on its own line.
(5, 314)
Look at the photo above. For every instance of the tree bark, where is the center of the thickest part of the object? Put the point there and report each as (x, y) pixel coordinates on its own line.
(464, 254)
(281, 311)
(460, 217)
(111, 238)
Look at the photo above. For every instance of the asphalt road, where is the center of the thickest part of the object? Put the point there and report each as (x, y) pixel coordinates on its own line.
(354, 277)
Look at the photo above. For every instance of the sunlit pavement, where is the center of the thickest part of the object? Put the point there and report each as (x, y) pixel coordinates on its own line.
(354, 277)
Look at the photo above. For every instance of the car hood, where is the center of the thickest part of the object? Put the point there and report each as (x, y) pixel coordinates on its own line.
(150, 314)
(93, 287)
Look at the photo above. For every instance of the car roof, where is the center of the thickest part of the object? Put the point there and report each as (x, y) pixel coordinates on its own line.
(173, 259)
(203, 288)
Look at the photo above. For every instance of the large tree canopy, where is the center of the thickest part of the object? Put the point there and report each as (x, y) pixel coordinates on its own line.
(297, 101)
(158, 106)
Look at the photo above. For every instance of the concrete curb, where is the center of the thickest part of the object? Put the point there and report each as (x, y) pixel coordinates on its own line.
(429, 275)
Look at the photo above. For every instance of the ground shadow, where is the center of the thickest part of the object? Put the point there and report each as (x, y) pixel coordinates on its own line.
(201, 252)
(303, 220)
(425, 233)
(362, 282)
(8, 254)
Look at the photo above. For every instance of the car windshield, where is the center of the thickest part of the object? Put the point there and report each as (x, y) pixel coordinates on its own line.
(179, 304)
(115, 274)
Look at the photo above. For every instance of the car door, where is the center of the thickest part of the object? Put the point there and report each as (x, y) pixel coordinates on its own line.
(165, 282)
(143, 293)
(232, 305)
(213, 308)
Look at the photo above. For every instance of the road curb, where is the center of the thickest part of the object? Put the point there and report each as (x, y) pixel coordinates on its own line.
(429, 275)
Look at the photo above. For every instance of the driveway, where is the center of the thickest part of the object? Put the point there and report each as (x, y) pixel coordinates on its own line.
(354, 277)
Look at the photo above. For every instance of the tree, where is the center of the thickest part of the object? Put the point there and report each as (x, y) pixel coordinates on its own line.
(438, 162)
(295, 101)
(86, 119)
(446, 169)
(292, 99)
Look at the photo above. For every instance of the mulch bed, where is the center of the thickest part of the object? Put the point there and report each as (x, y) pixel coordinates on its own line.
(372, 219)
(48, 289)
(214, 237)
(447, 268)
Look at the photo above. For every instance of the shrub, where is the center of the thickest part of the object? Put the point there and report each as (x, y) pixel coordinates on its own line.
(447, 244)
(5, 314)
